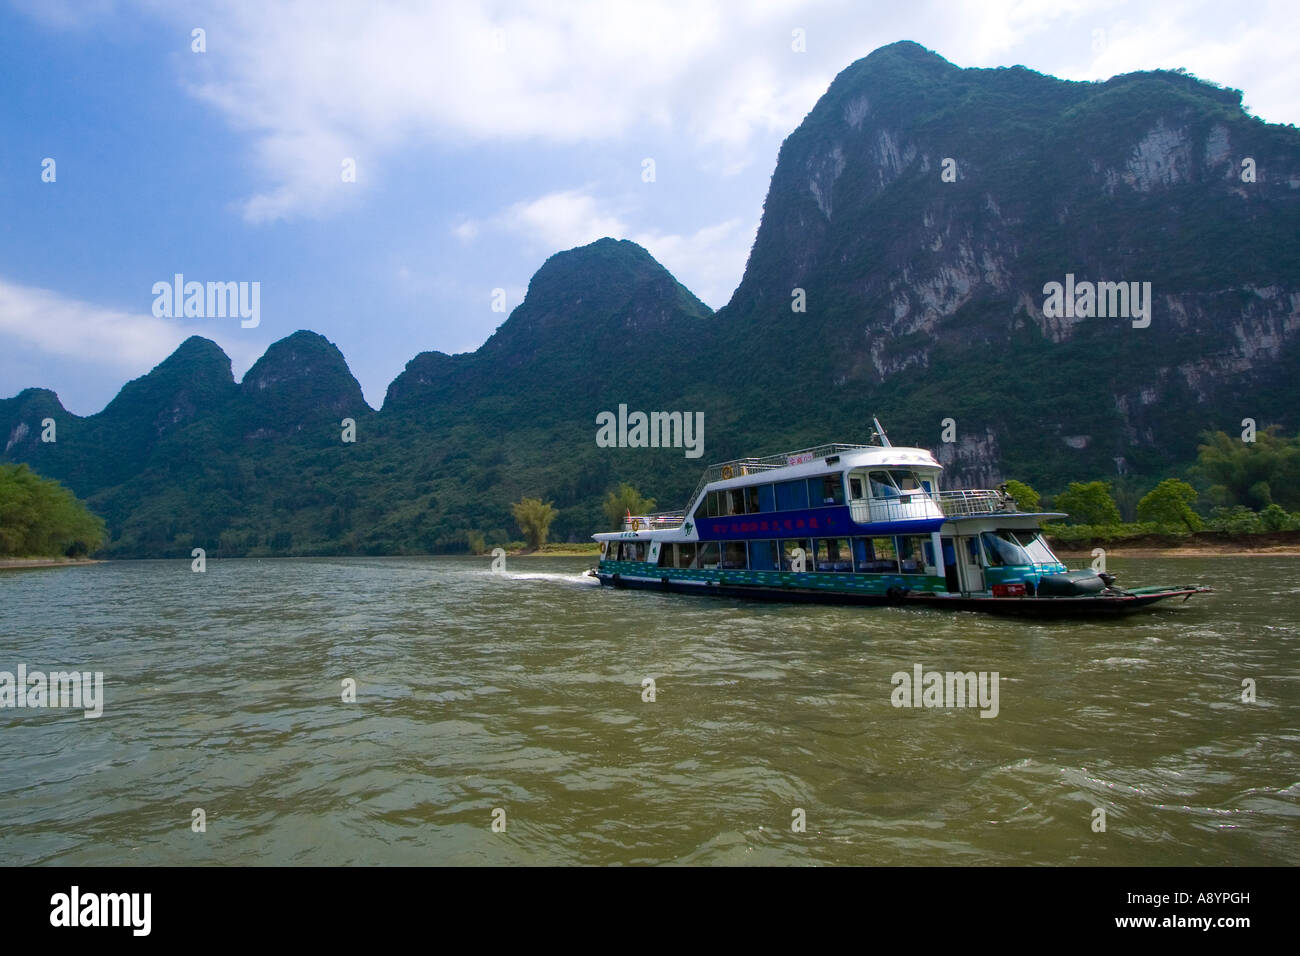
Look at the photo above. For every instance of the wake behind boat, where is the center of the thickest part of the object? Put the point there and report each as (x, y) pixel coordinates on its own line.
(859, 524)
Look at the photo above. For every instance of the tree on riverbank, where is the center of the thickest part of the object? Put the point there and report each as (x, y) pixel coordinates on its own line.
(1089, 503)
(534, 518)
(626, 499)
(1169, 505)
(39, 517)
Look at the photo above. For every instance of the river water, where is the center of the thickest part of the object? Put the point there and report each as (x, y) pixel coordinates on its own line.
(499, 718)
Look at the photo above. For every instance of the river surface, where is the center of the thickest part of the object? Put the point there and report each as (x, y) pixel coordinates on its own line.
(516, 699)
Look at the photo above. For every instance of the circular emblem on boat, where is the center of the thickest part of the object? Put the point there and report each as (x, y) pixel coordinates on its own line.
(636, 524)
(727, 472)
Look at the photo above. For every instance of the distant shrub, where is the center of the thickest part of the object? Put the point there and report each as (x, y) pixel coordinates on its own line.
(1276, 518)
(1237, 519)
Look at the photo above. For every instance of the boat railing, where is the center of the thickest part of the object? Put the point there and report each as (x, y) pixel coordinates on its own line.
(961, 503)
(654, 522)
(901, 508)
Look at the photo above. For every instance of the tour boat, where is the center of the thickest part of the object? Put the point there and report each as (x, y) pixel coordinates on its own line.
(859, 524)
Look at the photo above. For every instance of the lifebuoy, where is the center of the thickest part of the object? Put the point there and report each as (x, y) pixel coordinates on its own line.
(727, 472)
(636, 524)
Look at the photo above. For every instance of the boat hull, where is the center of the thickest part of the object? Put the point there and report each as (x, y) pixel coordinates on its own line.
(1100, 605)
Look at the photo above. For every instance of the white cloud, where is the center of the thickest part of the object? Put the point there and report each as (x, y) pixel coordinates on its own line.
(561, 220)
(1241, 52)
(313, 83)
(708, 261)
(111, 345)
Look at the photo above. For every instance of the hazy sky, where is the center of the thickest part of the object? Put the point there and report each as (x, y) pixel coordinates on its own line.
(484, 137)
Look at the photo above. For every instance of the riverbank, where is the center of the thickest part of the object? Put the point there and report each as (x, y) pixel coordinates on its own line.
(1198, 544)
(8, 564)
(576, 550)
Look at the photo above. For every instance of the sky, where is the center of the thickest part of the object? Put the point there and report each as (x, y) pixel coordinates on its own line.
(387, 173)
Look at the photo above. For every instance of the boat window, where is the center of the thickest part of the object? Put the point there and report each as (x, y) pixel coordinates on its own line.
(763, 556)
(832, 554)
(855, 487)
(886, 558)
(751, 500)
(711, 501)
(826, 490)
(735, 501)
(734, 557)
(766, 498)
(906, 481)
(1036, 547)
(666, 556)
(707, 556)
(791, 495)
(881, 486)
(910, 554)
(632, 551)
(877, 556)
(787, 553)
(685, 553)
(1003, 549)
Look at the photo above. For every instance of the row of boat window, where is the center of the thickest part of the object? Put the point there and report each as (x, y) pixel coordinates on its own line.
(905, 554)
(823, 491)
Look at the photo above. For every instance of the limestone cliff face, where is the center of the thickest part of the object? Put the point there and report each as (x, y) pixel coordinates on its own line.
(923, 209)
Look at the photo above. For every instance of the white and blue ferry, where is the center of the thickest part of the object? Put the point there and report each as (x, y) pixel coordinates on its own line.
(858, 524)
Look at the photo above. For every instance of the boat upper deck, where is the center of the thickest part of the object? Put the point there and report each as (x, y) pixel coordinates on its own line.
(919, 497)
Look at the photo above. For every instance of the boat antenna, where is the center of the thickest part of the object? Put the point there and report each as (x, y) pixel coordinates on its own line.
(880, 433)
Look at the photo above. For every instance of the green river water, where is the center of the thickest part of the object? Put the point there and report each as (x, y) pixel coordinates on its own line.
(522, 693)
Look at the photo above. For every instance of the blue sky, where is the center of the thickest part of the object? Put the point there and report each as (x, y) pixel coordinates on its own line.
(485, 136)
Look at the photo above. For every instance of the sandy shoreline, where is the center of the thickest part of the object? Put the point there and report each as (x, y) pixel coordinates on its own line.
(19, 563)
(1198, 551)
